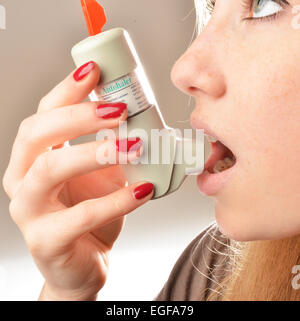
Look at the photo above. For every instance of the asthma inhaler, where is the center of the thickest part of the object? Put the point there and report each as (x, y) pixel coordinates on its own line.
(123, 80)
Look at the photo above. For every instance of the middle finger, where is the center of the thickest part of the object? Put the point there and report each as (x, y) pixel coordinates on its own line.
(51, 128)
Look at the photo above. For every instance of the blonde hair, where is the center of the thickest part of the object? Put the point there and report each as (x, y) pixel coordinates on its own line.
(260, 270)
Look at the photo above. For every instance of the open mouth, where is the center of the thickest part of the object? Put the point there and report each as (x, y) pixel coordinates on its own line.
(221, 158)
(218, 169)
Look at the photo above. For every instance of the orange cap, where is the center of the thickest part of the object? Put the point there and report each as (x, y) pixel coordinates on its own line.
(94, 16)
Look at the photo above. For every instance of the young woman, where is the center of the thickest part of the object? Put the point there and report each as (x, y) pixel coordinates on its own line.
(243, 71)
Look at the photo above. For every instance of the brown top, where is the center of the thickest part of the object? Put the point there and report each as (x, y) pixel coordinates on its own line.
(199, 269)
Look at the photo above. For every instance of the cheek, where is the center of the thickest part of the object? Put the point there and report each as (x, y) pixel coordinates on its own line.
(264, 97)
(266, 100)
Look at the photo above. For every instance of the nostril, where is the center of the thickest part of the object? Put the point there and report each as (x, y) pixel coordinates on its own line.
(193, 89)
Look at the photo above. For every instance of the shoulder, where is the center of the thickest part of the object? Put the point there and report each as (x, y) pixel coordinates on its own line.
(199, 269)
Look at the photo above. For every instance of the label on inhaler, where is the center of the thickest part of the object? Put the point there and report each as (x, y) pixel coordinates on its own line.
(126, 90)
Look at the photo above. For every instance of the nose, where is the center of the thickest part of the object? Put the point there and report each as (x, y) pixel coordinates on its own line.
(198, 71)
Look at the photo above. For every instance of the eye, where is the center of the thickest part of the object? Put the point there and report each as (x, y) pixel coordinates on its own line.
(259, 9)
(265, 8)
(210, 5)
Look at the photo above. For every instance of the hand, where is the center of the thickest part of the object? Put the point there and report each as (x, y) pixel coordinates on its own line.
(69, 208)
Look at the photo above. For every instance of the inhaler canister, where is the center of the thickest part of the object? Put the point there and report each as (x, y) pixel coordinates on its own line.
(122, 76)
(123, 80)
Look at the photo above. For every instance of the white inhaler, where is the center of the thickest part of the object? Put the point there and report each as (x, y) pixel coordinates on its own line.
(164, 161)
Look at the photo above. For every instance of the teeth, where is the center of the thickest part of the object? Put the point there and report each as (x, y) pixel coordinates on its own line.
(210, 139)
(224, 164)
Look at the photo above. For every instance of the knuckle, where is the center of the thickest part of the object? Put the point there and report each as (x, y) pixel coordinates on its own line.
(118, 208)
(25, 129)
(91, 149)
(85, 215)
(6, 183)
(42, 166)
(33, 242)
(37, 241)
(72, 114)
(43, 103)
(14, 210)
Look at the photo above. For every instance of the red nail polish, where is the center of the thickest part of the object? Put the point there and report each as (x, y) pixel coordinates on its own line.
(143, 190)
(110, 110)
(83, 71)
(129, 145)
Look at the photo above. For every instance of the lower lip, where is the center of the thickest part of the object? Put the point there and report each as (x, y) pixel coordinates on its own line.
(210, 184)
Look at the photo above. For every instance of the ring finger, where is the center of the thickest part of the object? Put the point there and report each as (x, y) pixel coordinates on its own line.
(45, 178)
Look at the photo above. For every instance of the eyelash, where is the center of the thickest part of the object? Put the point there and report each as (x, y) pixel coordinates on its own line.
(271, 17)
(211, 4)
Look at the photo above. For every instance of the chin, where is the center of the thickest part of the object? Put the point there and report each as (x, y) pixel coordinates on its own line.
(234, 226)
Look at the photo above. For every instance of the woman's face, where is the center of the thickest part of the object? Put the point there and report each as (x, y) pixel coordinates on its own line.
(244, 72)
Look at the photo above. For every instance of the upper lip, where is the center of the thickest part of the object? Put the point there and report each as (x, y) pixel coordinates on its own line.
(198, 124)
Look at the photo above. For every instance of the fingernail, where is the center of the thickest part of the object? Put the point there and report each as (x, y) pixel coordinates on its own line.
(83, 71)
(110, 110)
(129, 145)
(143, 190)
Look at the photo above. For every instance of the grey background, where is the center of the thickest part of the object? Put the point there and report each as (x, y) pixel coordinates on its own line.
(34, 57)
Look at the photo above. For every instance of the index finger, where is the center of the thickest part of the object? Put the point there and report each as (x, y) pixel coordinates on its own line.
(73, 89)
